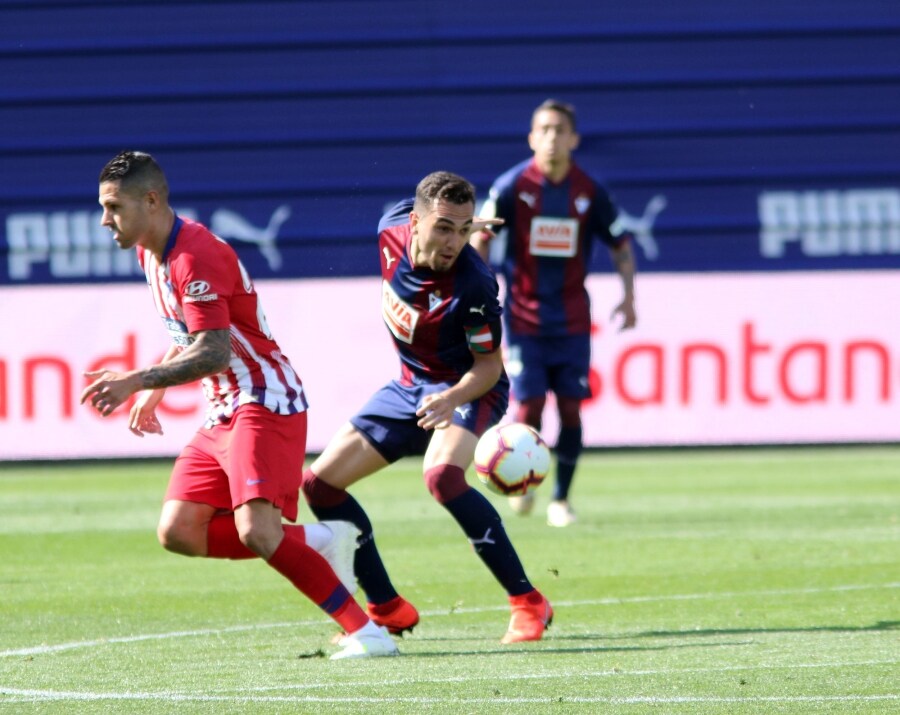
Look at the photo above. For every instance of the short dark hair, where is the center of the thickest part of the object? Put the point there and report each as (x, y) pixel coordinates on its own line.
(136, 169)
(443, 185)
(555, 105)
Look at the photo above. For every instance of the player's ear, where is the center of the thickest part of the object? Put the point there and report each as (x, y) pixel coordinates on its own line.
(574, 141)
(413, 220)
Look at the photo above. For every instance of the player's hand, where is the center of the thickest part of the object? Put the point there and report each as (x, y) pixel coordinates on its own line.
(435, 412)
(629, 316)
(484, 226)
(109, 390)
(142, 418)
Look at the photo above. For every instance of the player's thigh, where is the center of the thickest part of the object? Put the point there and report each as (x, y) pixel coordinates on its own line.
(526, 367)
(184, 524)
(453, 445)
(569, 367)
(197, 475)
(262, 453)
(348, 458)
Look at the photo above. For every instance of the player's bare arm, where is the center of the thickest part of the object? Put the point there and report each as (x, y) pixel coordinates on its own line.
(207, 355)
(142, 419)
(482, 233)
(623, 260)
(436, 410)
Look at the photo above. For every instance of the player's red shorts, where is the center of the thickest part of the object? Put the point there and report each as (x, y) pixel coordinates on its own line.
(256, 455)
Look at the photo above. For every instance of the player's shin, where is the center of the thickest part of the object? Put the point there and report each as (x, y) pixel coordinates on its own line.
(484, 528)
(314, 578)
(329, 503)
(222, 540)
(568, 450)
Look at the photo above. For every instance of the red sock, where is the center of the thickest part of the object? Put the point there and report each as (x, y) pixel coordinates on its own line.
(222, 541)
(313, 577)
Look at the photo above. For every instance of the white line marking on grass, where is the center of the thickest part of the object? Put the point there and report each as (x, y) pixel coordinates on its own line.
(610, 601)
(22, 696)
(343, 684)
(44, 649)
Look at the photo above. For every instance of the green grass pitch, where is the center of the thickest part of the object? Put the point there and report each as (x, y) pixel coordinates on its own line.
(711, 581)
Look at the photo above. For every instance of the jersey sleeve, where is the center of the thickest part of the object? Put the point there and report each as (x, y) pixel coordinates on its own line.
(205, 282)
(398, 214)
(604, 220)
(481, 316)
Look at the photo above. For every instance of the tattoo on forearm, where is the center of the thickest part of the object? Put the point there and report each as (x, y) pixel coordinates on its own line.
(204, 357)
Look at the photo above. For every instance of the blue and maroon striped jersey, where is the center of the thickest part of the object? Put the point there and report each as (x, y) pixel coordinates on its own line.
(437, 320)
(546, 246)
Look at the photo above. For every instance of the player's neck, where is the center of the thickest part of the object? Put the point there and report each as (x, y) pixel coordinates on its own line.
(555, 172)
(159, 237)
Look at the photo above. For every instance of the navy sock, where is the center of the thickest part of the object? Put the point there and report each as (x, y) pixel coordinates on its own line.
(370, 570)
(482, 524)
(568, 449)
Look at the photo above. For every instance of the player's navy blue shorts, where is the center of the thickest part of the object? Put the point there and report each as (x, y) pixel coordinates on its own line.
(388, 420)
(539, 365)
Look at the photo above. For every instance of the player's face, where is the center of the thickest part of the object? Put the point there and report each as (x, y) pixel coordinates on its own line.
(440, 234)
(125, 214)
(552, 139)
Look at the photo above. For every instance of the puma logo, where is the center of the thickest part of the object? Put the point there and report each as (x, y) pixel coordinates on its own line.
(389, 259)
(230, 225)
(479, 310)
(642, 226)
(485, 540)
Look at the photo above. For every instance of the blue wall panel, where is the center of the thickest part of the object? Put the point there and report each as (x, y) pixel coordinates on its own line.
(773, 125)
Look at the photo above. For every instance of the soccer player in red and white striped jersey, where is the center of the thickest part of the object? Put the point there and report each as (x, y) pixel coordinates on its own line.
(241, 473)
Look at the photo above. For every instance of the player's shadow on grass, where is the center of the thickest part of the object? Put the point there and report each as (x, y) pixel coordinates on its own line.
(878, 626)
(548, 646)
(554, 643)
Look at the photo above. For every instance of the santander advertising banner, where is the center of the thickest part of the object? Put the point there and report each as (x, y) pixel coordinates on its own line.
(717, 359)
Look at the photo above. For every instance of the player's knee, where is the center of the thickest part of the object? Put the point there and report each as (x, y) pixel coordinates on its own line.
(180, 538)
(320, 494)
(446, 482)
(569, 412)
(530, 411)
(261, 538)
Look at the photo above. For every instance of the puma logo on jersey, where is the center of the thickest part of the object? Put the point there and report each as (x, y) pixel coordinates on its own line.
(389, 259)
(464, 411)
(484, 540)
(479, 310)
(529, 199)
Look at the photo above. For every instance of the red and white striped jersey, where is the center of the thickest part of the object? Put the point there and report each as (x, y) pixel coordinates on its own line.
(201, 285)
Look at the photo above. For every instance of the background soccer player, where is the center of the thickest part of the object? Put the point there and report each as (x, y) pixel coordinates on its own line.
(241, 472)
(552, 211)
(439, 301)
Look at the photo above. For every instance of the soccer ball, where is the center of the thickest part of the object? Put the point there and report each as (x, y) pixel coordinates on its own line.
(510, 459)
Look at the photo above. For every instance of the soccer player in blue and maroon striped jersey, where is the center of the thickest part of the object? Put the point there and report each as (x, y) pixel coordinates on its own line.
(439, 302)
(552, 211)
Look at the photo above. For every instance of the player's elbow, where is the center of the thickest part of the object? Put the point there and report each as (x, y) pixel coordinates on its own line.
(494, 368)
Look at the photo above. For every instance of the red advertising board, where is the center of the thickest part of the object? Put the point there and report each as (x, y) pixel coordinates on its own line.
(716, 359)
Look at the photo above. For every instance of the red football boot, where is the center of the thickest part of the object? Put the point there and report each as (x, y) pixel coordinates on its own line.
(531, 616)
(397, 615)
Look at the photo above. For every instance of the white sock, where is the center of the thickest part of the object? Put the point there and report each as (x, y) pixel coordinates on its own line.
(317, 536)
(370, 629)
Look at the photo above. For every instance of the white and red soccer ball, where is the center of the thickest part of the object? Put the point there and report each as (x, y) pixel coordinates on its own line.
(511, 459)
